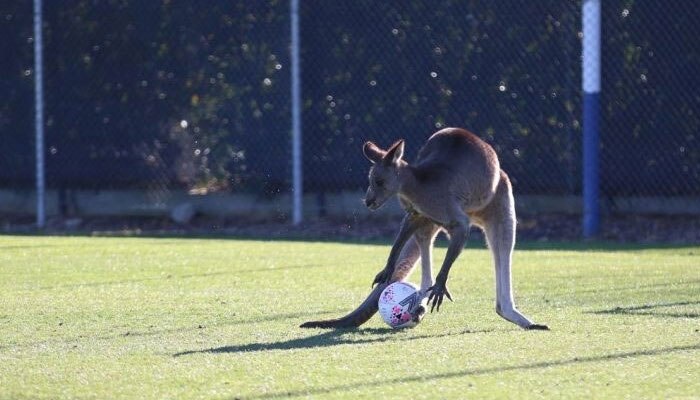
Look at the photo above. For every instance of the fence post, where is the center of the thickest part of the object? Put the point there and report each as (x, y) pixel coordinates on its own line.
(297, 181)
(591, 115)
(39, 115)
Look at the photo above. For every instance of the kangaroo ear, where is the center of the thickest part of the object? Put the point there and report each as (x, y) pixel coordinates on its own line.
(373, 152)
(395, 153)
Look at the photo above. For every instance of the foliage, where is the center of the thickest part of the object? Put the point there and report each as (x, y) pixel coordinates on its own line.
(176, 94)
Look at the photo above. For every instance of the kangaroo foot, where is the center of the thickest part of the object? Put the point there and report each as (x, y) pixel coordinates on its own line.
(537, 327)
(418, 314)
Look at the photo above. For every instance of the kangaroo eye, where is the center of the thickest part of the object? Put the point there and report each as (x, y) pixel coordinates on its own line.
(379, 182)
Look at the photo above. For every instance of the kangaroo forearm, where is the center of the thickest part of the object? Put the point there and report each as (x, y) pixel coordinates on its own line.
(399, 242)
(458, 238)
(409, 225)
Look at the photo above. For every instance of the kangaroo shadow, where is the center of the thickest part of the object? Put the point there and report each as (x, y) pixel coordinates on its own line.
(326, 339)
(656, 310)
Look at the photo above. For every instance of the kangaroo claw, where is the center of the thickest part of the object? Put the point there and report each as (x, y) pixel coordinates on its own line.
(382, 277)
(437, 295)
(447, 293)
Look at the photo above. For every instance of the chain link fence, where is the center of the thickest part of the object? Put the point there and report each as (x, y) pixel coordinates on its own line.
(650, 138)
(170, 97)
(511, 74)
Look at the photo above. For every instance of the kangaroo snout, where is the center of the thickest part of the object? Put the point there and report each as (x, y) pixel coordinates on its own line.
(371, 203)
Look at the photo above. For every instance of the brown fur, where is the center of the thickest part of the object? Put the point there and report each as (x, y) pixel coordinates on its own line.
(456, 181)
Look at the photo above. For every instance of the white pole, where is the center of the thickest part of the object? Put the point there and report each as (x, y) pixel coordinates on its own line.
(297, 181)
(39, 116)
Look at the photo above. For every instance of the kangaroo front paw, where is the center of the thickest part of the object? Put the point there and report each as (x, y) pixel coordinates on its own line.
(437, 294)
(382, 277)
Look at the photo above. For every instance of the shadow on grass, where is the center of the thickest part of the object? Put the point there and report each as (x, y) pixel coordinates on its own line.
(656, 310)
(126, 281)
(475, 372)
(161, 332)
(176, 277)
(637, 287)
(326, 339)
(29, 247)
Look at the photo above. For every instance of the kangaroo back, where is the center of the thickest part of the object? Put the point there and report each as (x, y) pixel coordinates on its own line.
(456, 163)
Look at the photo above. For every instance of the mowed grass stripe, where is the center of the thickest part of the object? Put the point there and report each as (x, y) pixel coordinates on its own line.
(85, 317)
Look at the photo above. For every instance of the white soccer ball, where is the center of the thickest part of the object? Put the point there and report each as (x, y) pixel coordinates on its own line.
(396, 302)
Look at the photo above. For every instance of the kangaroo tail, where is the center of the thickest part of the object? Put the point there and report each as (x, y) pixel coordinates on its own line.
(407, 261)
(357, 317)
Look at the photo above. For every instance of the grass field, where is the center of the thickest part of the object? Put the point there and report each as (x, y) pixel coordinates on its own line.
(106, 318)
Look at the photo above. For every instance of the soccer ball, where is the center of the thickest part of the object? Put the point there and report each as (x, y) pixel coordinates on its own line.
(396, 302)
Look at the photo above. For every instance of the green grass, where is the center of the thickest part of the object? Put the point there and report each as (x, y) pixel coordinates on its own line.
(104, 318)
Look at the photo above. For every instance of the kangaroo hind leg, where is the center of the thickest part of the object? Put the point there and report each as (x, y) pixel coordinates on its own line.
(425, 238)
(498, 221)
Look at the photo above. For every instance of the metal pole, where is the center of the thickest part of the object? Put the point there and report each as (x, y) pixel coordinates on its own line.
(39, 115)
(591, 116)
(297, 180)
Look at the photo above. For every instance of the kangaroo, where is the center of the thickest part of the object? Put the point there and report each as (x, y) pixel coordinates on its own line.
(456, 181)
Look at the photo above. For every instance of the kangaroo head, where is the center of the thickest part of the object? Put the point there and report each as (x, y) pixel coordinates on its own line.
(383, 175)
